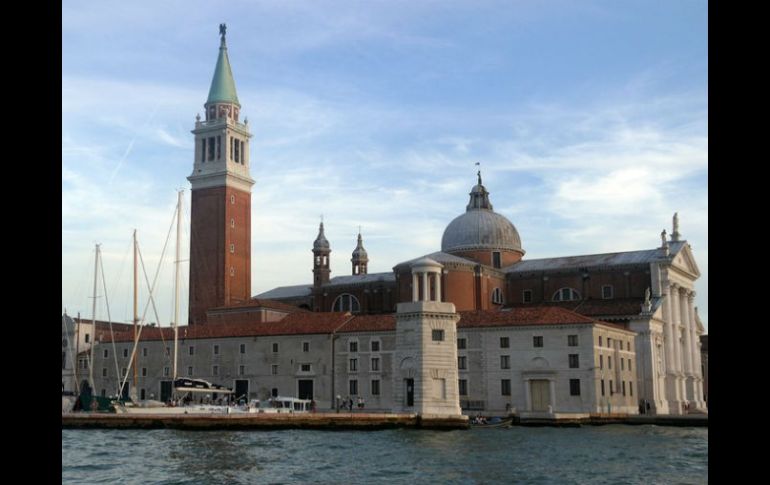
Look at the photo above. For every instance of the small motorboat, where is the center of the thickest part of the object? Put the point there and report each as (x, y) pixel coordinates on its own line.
(494, 422)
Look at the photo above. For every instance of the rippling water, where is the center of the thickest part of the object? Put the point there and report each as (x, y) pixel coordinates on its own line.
(602, 454)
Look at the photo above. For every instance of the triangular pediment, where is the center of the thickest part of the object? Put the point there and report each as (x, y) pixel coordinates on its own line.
(685, 261)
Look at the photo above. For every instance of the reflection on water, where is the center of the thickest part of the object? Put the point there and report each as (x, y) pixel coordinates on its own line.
(601, 454)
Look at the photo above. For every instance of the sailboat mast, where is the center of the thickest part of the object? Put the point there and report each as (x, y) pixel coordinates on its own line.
(136, 314)
(176, 279)
(93, 323)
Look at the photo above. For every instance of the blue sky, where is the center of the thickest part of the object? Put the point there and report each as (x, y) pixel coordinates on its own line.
(589, 119)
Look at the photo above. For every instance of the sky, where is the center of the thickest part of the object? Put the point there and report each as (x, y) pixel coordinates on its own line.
(589, 121)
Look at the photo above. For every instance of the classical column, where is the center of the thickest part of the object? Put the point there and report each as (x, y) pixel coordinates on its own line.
(552, 385)
(675, 320)
(687, 355)
(668, 326)
(415, 288)
(425, 287)
(437, 277)
(528, 394)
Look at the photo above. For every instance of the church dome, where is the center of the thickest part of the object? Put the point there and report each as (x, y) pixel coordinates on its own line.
(480, 227)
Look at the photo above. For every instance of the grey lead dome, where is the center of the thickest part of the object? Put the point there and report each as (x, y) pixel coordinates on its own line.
(480, 227)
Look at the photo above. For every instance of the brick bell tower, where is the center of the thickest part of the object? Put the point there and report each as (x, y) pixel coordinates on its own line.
(220, 234)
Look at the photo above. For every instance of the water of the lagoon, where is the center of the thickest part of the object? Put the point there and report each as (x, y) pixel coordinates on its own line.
(603, 454)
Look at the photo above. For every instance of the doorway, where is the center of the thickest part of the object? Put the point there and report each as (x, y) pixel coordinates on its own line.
(165, 391)
(541, 394)
(242, 389)
(305, 388)
(409, 392)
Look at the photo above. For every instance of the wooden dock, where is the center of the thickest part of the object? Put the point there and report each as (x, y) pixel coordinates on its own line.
(326, 421)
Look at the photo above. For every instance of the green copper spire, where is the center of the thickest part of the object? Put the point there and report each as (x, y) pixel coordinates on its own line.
(223, 85)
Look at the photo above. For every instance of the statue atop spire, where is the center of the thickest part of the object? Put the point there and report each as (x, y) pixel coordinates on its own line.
(223, 32)
(664, 242)
(479, 175)
(675, 233)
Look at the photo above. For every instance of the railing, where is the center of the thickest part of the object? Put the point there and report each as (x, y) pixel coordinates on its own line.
(472, 405)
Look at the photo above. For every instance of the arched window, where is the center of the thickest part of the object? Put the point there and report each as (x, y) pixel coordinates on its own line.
(566, 294)
(346, 303)
(497, 296)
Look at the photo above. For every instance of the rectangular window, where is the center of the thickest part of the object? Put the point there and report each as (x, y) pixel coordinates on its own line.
(88, 338)
(574, 387)
(505, 387)
(216, 349)
(505, 361)
(622, 364)
(437, 335)
(496, 259)
(600, 340)
(243, 152)
(104, 392)
(306, 346)
(612, 390)
(628, 346)
(601, 362)
(624, 388)
(537, 341)
(375, 363)
(462, 387)
(241, 370)
(375, 345)
(144, 371)
(125, 352)
(274, 369)
(142, 395)
(243, 348)
(215, 370)
(602, 387)
(231, 147)
(123, 372)
(607, 292)
(106, 353)
(237, 151)
(609, 362)
(192, 350)
(461, 343)
(304, 367)
(211, 148)
(375, 387)
(219, 147)
(630, 388)
(190, 371)
(168, 351)
(353, 387)
(353, 365)
(504, 342)
(104, 372)
(526, 296)
(144, 351)
(165, 372)
(629, 364)
(462, 362)
(574, 362)
(203, 150)
(353, 346)
(275, 348)
(572, 340)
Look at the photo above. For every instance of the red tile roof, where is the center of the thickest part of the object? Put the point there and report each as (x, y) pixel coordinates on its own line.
(618, 307)
(371, 323)
(293, 324)
(520, 316)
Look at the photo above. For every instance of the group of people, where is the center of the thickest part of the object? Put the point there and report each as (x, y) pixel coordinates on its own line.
(347, 403)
